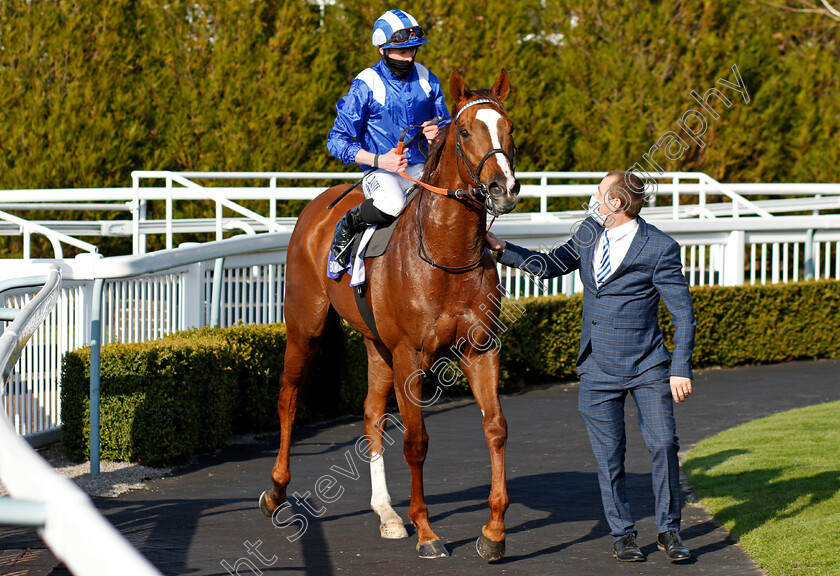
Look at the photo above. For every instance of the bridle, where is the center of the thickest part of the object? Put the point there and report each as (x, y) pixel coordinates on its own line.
(475, 172)
(471, 194)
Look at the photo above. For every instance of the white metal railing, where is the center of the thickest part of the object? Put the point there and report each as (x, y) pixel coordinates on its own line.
(714, 252)
(142, 298)
(69, 523)
(149, 296)
(56, 238)
(680, 195)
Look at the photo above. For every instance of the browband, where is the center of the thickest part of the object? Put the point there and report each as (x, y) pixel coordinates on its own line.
(473, 103)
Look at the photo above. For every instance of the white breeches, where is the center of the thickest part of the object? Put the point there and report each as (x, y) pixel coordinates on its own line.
(388, 189)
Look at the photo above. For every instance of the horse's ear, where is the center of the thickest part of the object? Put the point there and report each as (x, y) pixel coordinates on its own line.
(457, 87)
(502, 85)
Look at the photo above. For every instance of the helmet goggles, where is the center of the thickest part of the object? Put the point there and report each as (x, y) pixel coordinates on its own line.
(405, 35)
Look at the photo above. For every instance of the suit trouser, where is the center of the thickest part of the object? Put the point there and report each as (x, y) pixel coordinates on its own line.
(601, 403)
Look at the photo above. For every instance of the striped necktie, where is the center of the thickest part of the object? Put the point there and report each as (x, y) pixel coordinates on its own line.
(604, 269)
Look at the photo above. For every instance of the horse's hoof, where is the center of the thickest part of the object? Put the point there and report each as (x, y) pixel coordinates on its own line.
(432, 549)
(393, 530)
(265, 507)
(488, 549)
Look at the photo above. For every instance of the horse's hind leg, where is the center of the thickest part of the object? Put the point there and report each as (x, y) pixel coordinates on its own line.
(408, 383)
(380, 383)
(302, 340)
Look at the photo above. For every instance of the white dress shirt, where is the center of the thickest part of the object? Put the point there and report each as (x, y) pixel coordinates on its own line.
(620, 239)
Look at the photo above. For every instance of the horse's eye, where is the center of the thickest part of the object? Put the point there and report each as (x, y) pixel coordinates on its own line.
(464, 133)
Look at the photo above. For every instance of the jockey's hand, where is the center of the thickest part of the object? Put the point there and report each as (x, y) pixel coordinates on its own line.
(430, 131)
(393, 162)
(494, 242)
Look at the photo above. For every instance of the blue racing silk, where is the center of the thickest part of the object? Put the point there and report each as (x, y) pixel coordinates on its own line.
(379, 106)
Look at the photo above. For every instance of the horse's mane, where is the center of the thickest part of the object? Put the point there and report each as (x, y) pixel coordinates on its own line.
(439, 143)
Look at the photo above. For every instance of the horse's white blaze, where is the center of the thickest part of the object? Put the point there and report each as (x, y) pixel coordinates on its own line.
(391, 525)
(491, 119)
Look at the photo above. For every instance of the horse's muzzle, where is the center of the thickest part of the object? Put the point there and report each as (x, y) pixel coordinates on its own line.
(503, 199)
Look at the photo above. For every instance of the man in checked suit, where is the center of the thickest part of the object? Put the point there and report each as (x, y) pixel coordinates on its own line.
(626, 266)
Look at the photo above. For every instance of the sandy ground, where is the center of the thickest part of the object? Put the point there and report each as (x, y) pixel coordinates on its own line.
(115, 478)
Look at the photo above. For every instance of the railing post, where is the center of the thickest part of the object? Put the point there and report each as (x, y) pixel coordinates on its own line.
(272, 315)
(702, 197)
(675, 195)
(809, 254)
(169, 213)
(733, 259)
(272, 208)
(135, 216)
(219, 235)
(95, 365)
(216, 300)
(544, 195)
(144, 209)
(192, 300)
(570, 284)
(27, 240)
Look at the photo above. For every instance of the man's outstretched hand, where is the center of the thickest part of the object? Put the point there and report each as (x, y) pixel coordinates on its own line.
(494, 242)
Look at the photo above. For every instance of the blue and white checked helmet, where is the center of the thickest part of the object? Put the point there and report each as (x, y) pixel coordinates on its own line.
(397, 29)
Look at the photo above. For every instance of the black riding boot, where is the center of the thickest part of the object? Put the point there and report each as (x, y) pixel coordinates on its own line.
(345, 230)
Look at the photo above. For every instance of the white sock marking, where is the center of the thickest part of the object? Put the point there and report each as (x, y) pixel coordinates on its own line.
(379, 499)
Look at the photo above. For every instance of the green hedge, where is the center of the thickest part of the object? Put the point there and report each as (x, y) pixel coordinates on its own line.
(165, 400)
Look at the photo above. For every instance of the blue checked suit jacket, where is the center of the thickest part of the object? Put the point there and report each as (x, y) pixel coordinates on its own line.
(620, 318)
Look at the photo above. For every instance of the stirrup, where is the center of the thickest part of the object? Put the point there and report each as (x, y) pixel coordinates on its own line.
(342, 255)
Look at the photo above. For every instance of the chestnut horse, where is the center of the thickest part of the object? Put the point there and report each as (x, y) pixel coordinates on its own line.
(435, 283)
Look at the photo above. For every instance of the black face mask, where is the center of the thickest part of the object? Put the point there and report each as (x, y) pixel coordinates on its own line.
(400, 68)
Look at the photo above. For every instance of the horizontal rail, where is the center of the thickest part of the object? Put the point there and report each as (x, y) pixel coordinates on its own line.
(59, 206)
(29, 227)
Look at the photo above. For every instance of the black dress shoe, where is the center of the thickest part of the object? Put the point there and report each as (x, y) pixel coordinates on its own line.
(626, 550)
(671, 543)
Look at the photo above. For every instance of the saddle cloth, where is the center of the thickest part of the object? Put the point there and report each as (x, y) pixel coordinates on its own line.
(370, 244)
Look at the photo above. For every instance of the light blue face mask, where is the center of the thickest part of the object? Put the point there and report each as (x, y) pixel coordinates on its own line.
(592, 211)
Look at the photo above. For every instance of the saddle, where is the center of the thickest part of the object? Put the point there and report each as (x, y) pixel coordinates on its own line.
(376, 246)
(382, 235)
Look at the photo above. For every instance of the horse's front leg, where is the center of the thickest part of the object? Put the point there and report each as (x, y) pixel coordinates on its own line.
(407, 385)
(482, 370)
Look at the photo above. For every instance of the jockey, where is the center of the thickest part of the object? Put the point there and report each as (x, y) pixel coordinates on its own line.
(384, 99)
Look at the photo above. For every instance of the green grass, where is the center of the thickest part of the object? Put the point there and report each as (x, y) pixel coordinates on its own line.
(775, 484)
